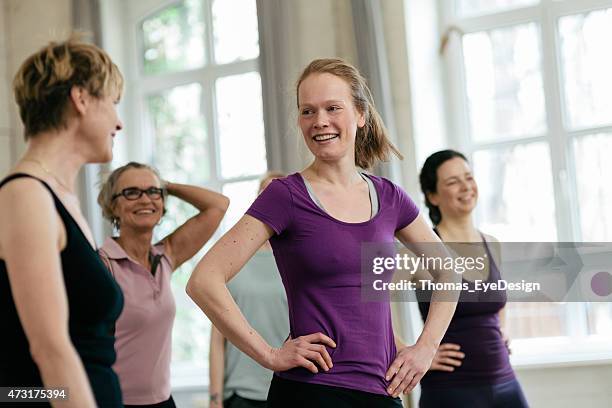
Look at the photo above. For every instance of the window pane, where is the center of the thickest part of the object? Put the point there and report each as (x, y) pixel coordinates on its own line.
(524, 320)
(241, 127)
(181, 151)
(173, 39)
(586, 64)
(241, 195)
(593, 171)
(504, 83)
(516, 193)
(181, 155)
(599, 316)
(474, 7)
(232, 44)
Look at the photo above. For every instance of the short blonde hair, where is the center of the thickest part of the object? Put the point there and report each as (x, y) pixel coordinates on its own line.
(105, 196)
(43, 82)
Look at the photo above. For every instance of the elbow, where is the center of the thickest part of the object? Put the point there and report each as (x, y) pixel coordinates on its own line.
(50, 350)
(191, 288)
(225, 204)
(195, 288)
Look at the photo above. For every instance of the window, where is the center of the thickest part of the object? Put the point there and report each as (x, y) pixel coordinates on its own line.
(198, 110)
(531, 105)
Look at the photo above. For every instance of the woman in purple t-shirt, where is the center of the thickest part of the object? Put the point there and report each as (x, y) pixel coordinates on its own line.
(472, 366)
(341, 351)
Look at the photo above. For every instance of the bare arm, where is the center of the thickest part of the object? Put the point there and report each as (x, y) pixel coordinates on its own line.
(207, 287)
(187, 239)
(412, 362)
(30, 225)
(216, 363)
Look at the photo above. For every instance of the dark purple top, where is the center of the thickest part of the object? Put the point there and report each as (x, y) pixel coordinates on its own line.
(318, 258)
(475, 327)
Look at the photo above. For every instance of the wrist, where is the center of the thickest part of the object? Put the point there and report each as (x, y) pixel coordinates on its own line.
(269, 358)
(428, 344)
(215, 397)
(166, 185)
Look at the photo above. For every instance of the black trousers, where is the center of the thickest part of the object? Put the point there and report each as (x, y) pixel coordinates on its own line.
(294, 394)
(236, 401)
(504, 395)
(169, 403)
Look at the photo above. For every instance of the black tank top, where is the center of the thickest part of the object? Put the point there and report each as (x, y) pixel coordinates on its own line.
(475, 326)
(94, 304)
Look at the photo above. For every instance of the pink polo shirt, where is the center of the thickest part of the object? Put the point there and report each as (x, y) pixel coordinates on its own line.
(144, 329)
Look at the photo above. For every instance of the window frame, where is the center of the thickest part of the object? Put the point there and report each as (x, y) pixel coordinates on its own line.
(141, 143)
(558, 136)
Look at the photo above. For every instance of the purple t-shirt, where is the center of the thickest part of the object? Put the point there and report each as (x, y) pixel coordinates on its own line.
(319, 259)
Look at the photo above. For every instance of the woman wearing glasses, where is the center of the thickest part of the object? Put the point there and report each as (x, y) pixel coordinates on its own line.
(133, 199)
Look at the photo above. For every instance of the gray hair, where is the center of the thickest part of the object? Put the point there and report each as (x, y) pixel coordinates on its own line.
(105, 197)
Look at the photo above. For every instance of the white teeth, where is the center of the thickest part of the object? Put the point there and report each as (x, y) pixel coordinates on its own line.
(144, 212)
(321, 138)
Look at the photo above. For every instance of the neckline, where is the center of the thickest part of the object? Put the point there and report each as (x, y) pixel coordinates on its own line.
(488, 252)
(78, 227)
(63, 207)
(303, 183)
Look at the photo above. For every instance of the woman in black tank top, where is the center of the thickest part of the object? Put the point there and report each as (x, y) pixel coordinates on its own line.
(471, 367)
(58, 302)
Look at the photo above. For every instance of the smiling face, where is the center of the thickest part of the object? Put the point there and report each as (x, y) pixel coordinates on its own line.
(100, 124)
(143, 213)
(456, 191)
(328, 118)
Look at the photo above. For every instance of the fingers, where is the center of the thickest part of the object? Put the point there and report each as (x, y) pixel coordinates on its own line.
(398, 378)
(307, 364)
(457, 355)
(319, 338)
(413, 383)
(449, 346)
(316, 357)
(322, 351)
(447, 357)
(443, 363)
(393, 369)
(441, 367)
(311, 351)
(450, 361)
(403, 386)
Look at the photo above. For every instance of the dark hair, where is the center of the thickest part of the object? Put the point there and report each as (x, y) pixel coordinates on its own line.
(429, 179)
(372, 143)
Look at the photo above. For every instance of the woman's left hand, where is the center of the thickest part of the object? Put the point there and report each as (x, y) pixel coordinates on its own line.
(410, 365)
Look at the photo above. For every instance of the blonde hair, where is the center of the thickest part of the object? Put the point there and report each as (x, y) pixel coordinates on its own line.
(43, 82)
(107, 190)
(372, 143)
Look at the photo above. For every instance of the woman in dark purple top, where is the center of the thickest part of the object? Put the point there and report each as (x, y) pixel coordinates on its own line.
(341, 352)
(472, 365)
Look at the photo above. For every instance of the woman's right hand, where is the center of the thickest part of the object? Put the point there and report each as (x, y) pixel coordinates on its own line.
(447, 357)
(303, 351)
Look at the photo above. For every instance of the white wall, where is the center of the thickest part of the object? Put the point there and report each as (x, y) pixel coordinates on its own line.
(5, 126)
(25, 26)
(581, 386)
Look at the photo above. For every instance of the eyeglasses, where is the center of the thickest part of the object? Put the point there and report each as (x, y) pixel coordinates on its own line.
(134, 193)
